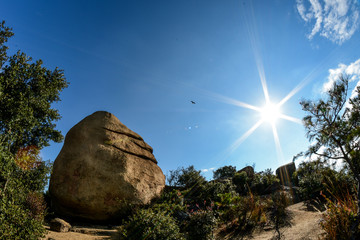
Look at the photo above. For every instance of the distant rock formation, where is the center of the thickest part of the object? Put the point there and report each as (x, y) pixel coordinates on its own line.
(102, 166)
(285, 172)
(249, 171)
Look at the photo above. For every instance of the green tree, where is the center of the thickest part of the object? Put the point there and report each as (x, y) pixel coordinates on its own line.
(333, 125)
(27, 90)
(191, 181)
(186, 177)
(224, 172)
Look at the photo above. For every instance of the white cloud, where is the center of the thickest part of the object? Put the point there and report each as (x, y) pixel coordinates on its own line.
(336, 20)
(207, 170)
(352, 71)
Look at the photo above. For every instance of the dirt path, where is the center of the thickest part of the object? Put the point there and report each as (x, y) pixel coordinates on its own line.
(305, 226)
(83, 233)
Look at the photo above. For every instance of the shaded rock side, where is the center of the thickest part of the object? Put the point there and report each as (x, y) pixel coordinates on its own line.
(102, 166)
(285, 172)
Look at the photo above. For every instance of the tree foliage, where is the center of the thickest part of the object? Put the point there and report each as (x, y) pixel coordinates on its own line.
(150, 224)
(27, 90)
(224, 172)
(186, 177)
(333, 125)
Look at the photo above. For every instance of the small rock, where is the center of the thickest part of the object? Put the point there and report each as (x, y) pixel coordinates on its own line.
(59, 225)
(268, 228)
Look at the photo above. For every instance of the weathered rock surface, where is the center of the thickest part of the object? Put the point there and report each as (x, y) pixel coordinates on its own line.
(59, 225)
(285, 172)
(101, 165)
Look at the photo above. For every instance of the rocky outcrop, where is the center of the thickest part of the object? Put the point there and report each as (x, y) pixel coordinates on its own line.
(285, 172)
(249, 171)
(103, 166)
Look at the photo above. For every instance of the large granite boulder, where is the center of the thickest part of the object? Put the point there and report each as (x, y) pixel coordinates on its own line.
(285, 172)
(102, 166)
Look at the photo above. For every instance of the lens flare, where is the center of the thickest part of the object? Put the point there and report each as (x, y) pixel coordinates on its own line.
(270, 113)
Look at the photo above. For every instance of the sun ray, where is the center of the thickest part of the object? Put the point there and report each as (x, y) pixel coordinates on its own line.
(241, 139)
(292, 119)
(228, 100)
(234, 102)
(277, 143)
(311, 76)
(249, 19)
(300, 86)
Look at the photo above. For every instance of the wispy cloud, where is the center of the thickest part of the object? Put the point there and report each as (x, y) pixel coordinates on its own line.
(352, 71)
(207, 170)
(336, 20)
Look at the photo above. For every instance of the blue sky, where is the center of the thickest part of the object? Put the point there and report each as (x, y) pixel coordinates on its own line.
(144, 61)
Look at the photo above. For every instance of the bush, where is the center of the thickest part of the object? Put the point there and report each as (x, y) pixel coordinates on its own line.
(186, 177)
(212, 190)
(339, 222)
(201, 225)
(316, 176)
(309, 177)
(151, 225)
(243, 213)
(190, 180)
(263, 181)
(22, 207)
(17, 222)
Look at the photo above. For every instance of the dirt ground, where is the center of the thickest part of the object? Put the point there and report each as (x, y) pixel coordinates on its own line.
(305, 226)
(83, 233)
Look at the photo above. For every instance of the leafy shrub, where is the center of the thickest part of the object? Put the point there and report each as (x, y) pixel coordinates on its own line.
(21, 202)
(316, 176)
(190, 180)
(263, 181)
(152, 225)
(309, 177)
(213, 189)
(17, 222)
(243, 213)
(201, 225)
(185, 177)
(36, 204)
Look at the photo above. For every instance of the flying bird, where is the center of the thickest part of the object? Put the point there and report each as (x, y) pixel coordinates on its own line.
(193, 102)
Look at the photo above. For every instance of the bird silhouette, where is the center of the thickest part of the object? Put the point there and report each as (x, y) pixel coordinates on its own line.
(193, 102)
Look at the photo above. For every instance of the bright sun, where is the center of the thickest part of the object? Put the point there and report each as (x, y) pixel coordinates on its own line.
(270, 113)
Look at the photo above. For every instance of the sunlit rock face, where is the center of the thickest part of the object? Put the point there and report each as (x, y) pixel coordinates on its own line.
(101, 164)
